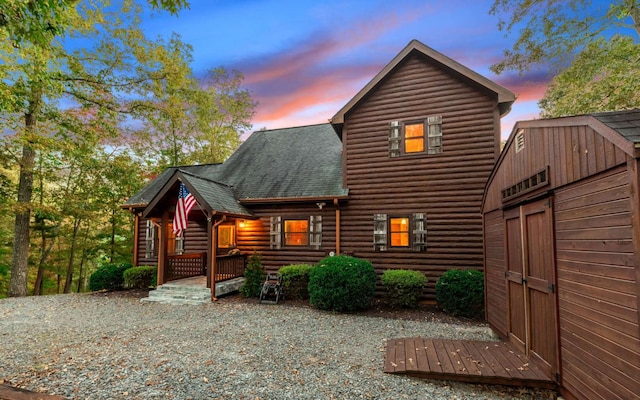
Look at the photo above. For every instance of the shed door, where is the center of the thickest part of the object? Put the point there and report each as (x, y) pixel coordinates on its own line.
(532, 300)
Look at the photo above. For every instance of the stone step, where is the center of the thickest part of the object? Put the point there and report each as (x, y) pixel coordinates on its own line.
(176, 293)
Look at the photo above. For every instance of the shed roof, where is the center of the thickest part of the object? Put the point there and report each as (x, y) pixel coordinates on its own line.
(626, 123)
(505, 96)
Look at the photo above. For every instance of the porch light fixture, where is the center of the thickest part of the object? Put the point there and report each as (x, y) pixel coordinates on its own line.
(241, 224)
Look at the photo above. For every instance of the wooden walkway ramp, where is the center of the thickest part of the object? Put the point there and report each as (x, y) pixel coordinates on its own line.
(463, 360)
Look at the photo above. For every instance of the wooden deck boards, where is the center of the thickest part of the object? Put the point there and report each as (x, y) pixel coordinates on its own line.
(463, 360)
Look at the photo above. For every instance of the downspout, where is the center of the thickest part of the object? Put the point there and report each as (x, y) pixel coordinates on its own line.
(335, 203)
(214, 246)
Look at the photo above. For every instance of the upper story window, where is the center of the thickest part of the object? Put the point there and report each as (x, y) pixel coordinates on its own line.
(415, 137)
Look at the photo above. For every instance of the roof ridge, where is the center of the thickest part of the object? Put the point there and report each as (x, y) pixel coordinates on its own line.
(205, 178)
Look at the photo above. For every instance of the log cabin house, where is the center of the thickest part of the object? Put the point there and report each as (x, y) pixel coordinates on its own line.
(396, 176)
(561, 219)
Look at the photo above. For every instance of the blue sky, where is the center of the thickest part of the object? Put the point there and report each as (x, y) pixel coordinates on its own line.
(303, 60)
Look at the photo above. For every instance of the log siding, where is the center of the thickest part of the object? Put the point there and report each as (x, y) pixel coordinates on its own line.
(254, 237)
(448, 186)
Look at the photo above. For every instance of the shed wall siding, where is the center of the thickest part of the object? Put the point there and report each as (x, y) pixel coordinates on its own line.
(573, 153)
(448, 187)
(598, 305)
(495, 268)
(254, 237)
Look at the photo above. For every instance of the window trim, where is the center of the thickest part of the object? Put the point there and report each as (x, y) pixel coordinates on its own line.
(407, 231)
(284, 232)
(232, 241)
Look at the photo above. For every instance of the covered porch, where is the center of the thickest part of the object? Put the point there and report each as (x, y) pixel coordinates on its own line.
(206, 249)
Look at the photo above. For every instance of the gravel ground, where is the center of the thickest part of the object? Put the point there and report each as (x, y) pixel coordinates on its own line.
(93, 347)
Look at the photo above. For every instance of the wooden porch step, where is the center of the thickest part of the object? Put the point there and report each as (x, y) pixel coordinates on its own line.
(463, 360)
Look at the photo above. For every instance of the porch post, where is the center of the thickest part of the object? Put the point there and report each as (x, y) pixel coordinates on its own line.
(136, 237)
(337, 205)
(209, 227)
(162, 249)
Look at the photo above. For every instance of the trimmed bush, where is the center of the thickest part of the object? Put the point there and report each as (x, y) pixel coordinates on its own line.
(253, 276)
(403, 288)
(295, 280)
(108, 277)
(461, 293)
(141, 277)
(342, 283)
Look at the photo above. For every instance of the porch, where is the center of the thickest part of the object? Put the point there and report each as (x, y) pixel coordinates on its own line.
(485, 362)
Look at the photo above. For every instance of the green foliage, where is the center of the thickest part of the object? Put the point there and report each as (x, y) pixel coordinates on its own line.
(603, 77)
(254, 276)
(461, 292)
(403, 288)
(108, 277)
(295, 280)
(342, 283)
(554, 30)
(141, 277)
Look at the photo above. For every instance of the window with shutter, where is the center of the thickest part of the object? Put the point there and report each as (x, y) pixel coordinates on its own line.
(315, 231)
(150, 240)
(415, 137)
(380, 232)
(276, 232)
(394, 139)
(420, 232)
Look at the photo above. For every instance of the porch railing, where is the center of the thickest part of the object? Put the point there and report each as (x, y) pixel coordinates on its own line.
(186, 265)
(230, 266)
(195, 264)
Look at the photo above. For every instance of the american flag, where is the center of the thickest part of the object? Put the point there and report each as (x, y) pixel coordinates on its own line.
(186, 201)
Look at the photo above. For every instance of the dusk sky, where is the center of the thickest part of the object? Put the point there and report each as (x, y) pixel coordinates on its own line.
(303, 60)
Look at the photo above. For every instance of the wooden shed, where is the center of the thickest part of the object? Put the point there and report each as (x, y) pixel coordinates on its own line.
(561, 220)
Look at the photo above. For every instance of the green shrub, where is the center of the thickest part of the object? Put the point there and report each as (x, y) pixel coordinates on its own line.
(403, 288)
(108, 277)
(253, 276)
(342, 283)
(461, 293)
(141, 277)
(295, 281)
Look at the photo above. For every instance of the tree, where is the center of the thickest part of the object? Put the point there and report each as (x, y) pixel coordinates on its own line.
(82, 96)
(38, 21)
(551, 31)
(198, 122)
(603, 77)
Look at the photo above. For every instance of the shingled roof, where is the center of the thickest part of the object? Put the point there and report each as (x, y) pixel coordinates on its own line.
(626, 123)
(292, 163)
(301, 162)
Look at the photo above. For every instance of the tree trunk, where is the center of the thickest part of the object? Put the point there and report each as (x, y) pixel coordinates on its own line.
(20, 257)
(69, 280)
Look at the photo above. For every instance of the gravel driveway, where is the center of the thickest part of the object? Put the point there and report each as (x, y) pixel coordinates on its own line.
(92, 347)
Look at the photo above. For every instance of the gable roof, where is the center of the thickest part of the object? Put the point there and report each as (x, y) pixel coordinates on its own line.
(147, 193)
(210, 195)
(301, 162)
(505, 96)
(282, 164)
